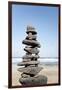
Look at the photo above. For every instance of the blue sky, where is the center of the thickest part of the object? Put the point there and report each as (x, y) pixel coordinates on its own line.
(44, 19)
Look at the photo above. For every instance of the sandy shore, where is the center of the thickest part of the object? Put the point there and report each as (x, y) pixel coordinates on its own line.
(50, 71)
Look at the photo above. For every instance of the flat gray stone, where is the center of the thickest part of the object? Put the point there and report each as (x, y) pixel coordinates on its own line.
(31, 50)
(28, 63)
(30, 70)
(31, 37)
(26, 60)
(30, 56)
(31, 42)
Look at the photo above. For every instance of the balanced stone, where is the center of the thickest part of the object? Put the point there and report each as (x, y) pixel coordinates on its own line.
(30, 56)
(26, 60)
(31, 29)
(30, 70)
(32, 37)
(28, 63)
(31, 50)
(31, 42)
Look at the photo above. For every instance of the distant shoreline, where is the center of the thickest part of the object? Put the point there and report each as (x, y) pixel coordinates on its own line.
(42, 63)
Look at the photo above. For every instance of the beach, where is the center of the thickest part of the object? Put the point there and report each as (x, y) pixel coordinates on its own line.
(50, 71)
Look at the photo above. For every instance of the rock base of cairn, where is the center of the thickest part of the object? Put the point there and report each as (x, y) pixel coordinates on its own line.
(33, 81)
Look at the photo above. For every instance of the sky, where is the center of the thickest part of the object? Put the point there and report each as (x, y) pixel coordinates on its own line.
(44, 19)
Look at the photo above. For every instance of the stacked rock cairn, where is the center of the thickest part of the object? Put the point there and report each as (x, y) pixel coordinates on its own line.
(29, 76)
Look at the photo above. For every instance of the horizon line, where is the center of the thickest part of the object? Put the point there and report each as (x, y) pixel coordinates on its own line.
(42, 57)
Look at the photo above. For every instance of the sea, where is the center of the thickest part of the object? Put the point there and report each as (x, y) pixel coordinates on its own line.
(44, 61)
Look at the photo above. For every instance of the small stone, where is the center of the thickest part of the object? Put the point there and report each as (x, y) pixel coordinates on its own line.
(31, 29)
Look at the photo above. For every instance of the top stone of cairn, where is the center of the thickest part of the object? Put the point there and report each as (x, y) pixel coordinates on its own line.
(31, 29)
